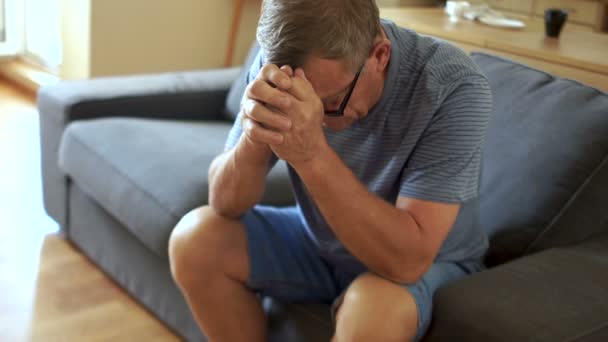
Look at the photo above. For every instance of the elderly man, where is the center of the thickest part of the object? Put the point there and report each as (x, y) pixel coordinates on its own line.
(383, 131)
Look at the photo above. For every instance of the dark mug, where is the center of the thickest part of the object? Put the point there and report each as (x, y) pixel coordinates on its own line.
(554, 21)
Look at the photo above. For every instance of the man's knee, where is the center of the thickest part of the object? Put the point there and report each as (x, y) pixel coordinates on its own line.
(202, 243)
(375, 309)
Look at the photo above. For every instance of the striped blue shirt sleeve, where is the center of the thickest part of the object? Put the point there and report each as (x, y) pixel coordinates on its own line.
(446, 163)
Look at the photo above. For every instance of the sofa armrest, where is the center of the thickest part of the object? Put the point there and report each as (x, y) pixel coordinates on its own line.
(559, 294)
(179, 95)
(195, 95)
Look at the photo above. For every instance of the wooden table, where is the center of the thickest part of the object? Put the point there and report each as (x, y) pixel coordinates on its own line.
(576, 54)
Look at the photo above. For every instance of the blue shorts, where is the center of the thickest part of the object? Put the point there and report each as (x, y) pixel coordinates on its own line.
(285, 264)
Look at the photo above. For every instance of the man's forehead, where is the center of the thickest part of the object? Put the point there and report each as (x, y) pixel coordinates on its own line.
(328, 76)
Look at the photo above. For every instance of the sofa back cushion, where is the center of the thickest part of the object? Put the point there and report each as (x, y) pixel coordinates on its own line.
(233, 100)
(584, 217)
(546, 138)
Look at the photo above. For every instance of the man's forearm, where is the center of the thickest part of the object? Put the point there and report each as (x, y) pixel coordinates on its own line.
(237, 178)
(386, 239)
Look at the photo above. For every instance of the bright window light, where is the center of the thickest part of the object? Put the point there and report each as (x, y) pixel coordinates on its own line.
(11, 27)
(2, 21)
(43, 32)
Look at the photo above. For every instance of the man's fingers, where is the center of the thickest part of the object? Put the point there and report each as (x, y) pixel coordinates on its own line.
(275, 76)
(288, 70)
(269, 86)
(256, 132)
(268, 117)
(261, 91)
(300, 73)
(301, 89)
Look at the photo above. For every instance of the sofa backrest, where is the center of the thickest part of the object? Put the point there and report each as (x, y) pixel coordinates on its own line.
(547, 140)
(233, 100)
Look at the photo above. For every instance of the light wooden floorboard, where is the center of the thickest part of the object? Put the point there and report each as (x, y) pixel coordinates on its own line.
(48, 290)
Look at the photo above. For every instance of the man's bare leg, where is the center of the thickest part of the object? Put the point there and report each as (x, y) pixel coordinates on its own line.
(375, 309)
(209, 261)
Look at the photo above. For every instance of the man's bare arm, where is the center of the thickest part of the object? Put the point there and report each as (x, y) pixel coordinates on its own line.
(237, 177)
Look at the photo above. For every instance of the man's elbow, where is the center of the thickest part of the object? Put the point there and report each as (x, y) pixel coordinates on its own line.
(225, 208)
(407, 273)
(403, 277)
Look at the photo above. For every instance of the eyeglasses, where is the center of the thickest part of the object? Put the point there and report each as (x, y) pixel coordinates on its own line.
(340, 111)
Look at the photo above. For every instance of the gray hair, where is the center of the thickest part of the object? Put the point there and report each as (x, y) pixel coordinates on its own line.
(291, 30)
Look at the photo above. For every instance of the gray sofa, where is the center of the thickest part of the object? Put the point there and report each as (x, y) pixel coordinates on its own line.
(124, 158)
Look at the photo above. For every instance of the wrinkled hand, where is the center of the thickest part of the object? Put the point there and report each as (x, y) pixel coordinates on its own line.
(264, 105)
(305, 139)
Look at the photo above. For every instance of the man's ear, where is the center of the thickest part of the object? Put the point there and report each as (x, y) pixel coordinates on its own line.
(381, 53)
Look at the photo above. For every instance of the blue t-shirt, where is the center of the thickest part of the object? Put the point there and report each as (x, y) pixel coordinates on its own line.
(423, 139)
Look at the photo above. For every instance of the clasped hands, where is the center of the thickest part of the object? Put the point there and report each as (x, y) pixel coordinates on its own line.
(282, 111)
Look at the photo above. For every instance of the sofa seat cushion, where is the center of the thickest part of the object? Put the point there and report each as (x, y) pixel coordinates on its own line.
(297, 322)
(559, 294)
(148, 173)
(546, 138)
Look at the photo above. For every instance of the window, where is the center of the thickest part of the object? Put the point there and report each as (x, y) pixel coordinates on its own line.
(2, 21)
(11, 27)
(43, 33)
(31, 29)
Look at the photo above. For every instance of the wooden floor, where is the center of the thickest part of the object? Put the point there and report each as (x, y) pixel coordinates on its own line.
(48, 290)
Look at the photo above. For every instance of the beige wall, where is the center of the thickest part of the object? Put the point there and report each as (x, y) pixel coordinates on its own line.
(117, 37)
(249, 22)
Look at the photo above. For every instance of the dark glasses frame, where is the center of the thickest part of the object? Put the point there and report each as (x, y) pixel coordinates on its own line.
(340, 111)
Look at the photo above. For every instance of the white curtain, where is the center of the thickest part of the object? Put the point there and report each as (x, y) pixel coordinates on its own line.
(42, 32)
(11, 28)
(2, 21)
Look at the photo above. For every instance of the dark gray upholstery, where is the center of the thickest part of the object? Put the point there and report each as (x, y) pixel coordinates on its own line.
(130, 263)
(121, 163)
(547, 135)
(118, 181)
(297, 322)
(581, 211)
(194, 95)
(559, 294)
